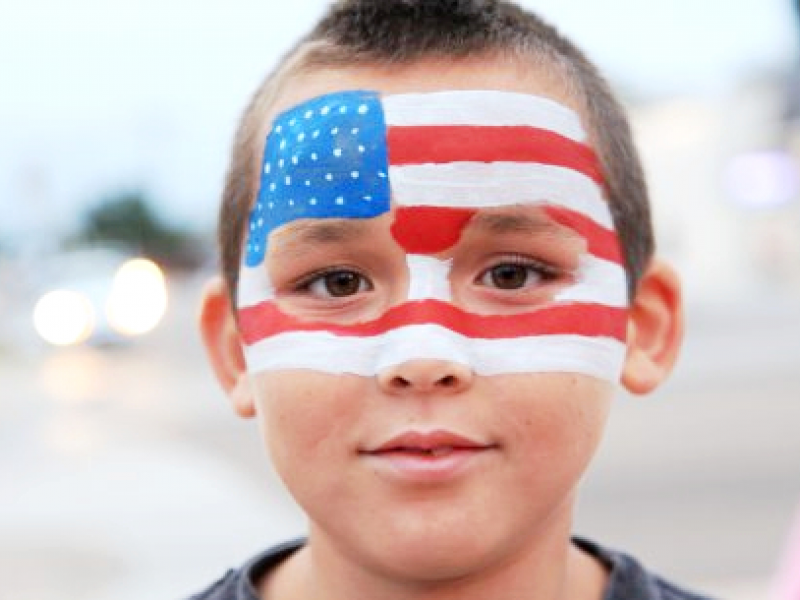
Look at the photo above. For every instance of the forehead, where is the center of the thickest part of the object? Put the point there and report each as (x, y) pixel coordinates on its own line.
(521, 94)
(354, 153)
(431, 75)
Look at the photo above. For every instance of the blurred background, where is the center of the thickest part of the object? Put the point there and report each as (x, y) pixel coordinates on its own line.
(124, 474)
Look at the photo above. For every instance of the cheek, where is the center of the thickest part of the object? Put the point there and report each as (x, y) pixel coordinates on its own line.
(555, 421)
(307, 416)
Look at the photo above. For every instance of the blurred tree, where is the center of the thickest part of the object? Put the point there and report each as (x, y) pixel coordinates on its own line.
(126, 221)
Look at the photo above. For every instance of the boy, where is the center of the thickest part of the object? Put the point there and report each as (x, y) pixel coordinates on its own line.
(437, 263)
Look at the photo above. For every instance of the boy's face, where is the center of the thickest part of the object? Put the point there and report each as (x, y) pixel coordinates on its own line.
(432, 367)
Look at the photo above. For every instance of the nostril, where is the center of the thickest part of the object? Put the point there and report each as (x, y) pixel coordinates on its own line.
(400, 383)
(425, 376)
(448, 381)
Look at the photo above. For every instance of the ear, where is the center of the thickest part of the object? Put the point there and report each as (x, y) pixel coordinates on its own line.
(224, 347)
(655, 329)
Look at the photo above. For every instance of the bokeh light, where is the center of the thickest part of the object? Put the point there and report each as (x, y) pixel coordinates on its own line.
(763, 179)
(63, 317)
(138, 298)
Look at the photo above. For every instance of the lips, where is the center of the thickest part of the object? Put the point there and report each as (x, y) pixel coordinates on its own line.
(435, 443)
(432, 457)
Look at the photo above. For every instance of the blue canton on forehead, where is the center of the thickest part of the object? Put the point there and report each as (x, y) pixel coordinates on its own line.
(324, 158)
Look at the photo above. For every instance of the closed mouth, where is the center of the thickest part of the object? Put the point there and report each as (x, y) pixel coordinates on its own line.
(432, 444)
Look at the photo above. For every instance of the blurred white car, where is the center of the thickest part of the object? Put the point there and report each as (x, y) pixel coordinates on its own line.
(98, 296)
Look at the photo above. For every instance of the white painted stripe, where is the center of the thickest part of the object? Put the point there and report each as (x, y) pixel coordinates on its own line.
(483, 185)
(600, 281)
(482, 107)
(429, 278)
(368, 356)
(254, 285)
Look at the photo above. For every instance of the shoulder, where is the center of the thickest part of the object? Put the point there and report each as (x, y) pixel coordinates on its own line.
(629, 580)
(239, 584)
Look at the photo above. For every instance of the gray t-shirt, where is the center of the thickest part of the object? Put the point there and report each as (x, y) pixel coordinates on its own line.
(628, 580)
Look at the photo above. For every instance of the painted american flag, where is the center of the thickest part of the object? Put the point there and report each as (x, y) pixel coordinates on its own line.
(436, 158)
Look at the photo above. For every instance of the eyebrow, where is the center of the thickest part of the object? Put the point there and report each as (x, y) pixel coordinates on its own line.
(499, 223)
(299, 236)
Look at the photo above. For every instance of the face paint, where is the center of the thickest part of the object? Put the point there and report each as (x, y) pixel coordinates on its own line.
(324, 159)
(447, 156)
(429, 229)
(428, 278)
(578, 339)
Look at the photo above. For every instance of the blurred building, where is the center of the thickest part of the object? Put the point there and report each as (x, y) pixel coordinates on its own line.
(724, 177)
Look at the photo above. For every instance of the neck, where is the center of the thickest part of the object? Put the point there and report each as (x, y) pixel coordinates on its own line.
(548, 568)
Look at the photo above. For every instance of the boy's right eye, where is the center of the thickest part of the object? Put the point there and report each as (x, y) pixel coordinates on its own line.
(335, 283)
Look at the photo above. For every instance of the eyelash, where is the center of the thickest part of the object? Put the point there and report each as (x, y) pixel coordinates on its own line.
(306, 284)
(544, 271)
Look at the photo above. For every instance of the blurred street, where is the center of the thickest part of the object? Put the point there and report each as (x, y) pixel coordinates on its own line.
(126, 475)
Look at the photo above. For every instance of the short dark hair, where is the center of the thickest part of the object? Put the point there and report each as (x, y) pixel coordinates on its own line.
(398, 32)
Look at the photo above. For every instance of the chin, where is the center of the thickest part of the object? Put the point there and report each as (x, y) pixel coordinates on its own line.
(430, 552)
(426, 563)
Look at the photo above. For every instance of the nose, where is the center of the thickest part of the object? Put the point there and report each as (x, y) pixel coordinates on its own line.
(425, 376)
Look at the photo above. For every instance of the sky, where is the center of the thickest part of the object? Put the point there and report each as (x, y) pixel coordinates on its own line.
(101, 96)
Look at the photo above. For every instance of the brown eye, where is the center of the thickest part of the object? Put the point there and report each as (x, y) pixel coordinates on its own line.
(516, 275)
(338, 284)
(509, 276)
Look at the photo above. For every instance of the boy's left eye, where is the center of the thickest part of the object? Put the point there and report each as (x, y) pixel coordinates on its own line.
(515, 275)
(337, 283)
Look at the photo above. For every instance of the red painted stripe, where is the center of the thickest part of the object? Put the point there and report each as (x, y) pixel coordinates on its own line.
(429, 229)
(591, 320)
(454, 143)
(601, 242)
